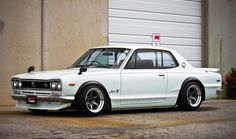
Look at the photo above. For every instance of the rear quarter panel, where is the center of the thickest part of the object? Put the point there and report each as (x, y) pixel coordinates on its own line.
(211, 81)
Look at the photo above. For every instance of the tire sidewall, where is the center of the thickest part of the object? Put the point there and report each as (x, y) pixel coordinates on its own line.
(80, 102)
(183, 100)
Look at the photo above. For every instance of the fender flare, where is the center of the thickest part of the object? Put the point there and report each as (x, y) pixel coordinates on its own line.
(98, 84)
(192, 79)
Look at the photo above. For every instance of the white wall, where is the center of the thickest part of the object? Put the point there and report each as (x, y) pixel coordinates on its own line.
(178, 22)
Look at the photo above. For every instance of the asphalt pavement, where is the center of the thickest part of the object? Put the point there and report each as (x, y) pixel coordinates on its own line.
(215, 119)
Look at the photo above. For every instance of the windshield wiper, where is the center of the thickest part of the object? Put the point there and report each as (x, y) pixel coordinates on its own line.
(77, 66)
(101, 66)
(92, 66)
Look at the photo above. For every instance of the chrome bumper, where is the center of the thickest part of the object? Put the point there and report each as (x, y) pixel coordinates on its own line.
(63, 99)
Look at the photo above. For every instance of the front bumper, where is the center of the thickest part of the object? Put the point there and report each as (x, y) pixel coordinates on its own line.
(62, 99)
(46, 100)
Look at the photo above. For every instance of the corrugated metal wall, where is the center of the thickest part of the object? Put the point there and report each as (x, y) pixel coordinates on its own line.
(178, 22)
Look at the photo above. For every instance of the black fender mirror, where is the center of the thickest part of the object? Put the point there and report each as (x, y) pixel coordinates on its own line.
(82, 69)
(31, 68)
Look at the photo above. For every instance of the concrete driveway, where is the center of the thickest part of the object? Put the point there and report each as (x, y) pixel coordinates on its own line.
(214, 119)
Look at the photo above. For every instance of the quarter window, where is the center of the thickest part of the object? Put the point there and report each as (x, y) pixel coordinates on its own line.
(168, 60)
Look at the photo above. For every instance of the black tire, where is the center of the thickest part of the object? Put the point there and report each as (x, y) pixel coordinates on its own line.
(90, 101)
(38, 111)
(190, 97)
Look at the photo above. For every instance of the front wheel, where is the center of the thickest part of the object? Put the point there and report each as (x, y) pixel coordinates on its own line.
(90, 101)
(190, 97)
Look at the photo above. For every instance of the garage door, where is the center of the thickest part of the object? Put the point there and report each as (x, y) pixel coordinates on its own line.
(178, 22)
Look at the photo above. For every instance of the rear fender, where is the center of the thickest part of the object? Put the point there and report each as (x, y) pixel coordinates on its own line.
(192, 79)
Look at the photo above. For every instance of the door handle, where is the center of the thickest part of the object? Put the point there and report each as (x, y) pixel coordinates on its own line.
(161, 75)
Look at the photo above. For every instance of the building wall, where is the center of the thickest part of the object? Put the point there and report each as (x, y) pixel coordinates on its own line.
(72, 27)
(51, 34)
(19, 41)
(222, 33)
(177, 21)
(63, 29)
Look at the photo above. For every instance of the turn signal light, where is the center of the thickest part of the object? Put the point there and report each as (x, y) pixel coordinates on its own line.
(71, 84)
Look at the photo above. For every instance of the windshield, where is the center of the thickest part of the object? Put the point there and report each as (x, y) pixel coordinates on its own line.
(102, 58)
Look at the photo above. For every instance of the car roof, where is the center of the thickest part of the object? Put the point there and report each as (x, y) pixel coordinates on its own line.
(134, 47)
(179, 58)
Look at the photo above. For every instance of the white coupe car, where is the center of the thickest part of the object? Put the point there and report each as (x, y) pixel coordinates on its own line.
(115, 78)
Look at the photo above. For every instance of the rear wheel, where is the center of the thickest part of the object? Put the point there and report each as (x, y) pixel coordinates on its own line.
(190, 97)
(90, 101)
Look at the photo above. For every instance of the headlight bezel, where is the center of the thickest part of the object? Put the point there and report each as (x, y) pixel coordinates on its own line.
(55, 85)
(16, 83)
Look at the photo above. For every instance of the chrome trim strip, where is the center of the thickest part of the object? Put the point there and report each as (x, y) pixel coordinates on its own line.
(42, 93)
(43, 89)
(62, 99)
(27, 92)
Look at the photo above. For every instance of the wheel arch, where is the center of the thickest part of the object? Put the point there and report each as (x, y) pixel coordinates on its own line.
(192, 79)
(88, 83)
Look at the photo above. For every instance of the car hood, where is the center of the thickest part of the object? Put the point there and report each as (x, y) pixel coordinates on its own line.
(56, 74)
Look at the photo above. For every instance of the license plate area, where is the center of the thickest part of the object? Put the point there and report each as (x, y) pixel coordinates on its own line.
(31, 99)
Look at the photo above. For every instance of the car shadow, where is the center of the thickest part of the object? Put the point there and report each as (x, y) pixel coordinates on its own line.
(159, 110)
(208, 108)
(74, 113)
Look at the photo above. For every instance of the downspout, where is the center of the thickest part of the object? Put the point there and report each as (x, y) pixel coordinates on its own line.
(204, 33)
(42, 34)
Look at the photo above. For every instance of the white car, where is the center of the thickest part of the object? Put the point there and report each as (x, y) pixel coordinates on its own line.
(115, 78)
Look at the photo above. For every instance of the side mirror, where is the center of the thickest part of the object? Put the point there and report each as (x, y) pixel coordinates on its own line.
(31, 68)
(82, 69)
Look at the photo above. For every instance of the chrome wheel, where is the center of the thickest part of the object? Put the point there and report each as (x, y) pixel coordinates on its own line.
(194, 95)
(94, 100)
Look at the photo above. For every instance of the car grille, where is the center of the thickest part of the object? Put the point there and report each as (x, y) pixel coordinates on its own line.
(36, 84)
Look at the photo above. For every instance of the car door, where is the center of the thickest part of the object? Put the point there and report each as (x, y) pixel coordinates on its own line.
(142, 79)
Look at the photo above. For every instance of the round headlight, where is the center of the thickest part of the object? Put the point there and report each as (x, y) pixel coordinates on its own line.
(53, 85)
(59, 85)
(15, 83)
(20, 83)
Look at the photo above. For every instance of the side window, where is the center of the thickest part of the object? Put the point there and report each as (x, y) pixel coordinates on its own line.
(142, 59)
(168, 60)
(151, 59)
(146, 59)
